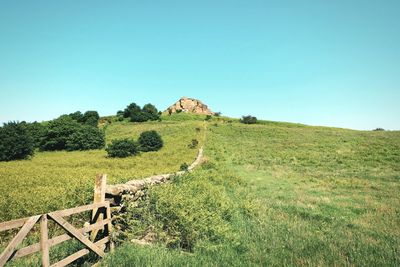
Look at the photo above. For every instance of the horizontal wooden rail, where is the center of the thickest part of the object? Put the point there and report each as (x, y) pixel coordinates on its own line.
(79, 254)
(57, 240)
(4, 226)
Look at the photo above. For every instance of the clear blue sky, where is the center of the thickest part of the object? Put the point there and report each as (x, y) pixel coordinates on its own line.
(333, 63)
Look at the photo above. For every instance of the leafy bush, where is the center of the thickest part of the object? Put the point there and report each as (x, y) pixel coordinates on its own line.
(86, 138)
(136, 114)
(122, 148)
(139, 117)
(91, 118)
(15, 142)
(248, 119)
(151, 112)
(131, 109)
(150, 141)
(208, 117)
(379, 130)
(78, 116)
(184, 167)
(194, 143)
(57, 133)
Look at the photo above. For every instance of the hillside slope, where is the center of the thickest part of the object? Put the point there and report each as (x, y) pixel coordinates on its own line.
(278, 194)
(269, 194)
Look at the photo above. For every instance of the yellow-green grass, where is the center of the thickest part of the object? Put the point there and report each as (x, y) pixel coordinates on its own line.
(57, 180)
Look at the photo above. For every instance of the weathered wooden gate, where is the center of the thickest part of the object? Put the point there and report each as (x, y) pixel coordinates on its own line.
(101, 220)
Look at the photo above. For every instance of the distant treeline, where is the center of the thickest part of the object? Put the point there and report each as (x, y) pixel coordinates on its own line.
(74, 131)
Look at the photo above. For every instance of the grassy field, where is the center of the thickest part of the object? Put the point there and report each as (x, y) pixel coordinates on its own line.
(269, 194)
(286, 194)
(57, 180)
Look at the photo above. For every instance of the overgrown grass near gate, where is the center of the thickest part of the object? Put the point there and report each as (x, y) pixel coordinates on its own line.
(58, 180)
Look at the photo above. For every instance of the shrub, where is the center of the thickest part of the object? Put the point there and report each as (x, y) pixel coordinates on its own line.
(86, 138)
(198, 129)
(151, 112)
(131, 109)
(150, 141)
(184, 167)
(137, 114)
(208, 117)
(193, 144)
(217, 114)
(122, 148)
(139, 117)
(91, 118)
(15, 142)
(379, 130)
(57, 133)
(78, 116)
(248, 120)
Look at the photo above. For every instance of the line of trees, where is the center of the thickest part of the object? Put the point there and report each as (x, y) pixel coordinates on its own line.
(137, 114)
(76, 131)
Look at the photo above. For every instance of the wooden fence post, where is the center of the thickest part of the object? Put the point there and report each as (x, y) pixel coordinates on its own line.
(99, 197)
(44, 241)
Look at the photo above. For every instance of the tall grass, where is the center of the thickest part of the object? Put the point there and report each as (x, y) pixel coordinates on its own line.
(56, 180)
(313, 196)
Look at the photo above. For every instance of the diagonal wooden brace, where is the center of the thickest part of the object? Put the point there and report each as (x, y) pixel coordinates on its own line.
(7, 253)
(78, 235)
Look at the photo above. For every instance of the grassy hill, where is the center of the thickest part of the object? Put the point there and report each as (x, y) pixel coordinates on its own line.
(268, 194)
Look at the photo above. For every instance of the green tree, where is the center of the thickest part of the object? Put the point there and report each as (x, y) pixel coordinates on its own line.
(15, 142)
(248, 120)
(86, 138)
(91, 118)
(57, 133)
(131, 109)
(151, 112)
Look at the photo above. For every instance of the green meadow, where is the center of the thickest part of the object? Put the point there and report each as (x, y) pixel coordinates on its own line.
(271, 194)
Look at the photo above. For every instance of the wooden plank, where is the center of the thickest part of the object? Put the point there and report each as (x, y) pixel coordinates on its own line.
(56, 240)
(99, 197)
(69, 212)
(4, 226)
(78, 254)
(110, 226)
(7, 253)
(44, 241)
(72, 230)
(71, 258)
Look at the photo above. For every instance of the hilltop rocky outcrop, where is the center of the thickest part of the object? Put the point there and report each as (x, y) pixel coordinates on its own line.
(189, 105)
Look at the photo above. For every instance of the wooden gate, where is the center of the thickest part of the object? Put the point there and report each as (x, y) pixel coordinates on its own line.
(101, 220)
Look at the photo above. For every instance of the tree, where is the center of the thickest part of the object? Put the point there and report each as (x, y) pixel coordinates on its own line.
(248, 119)
(78, 116)
(150, 141)
(91, 118)
(122, 148)
(86, 138)
(151, 112)
(131, 109)
(15, 142)
(57, 133)
(37, 131)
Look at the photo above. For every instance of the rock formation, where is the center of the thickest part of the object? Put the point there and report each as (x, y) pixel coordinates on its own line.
(189, 105)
